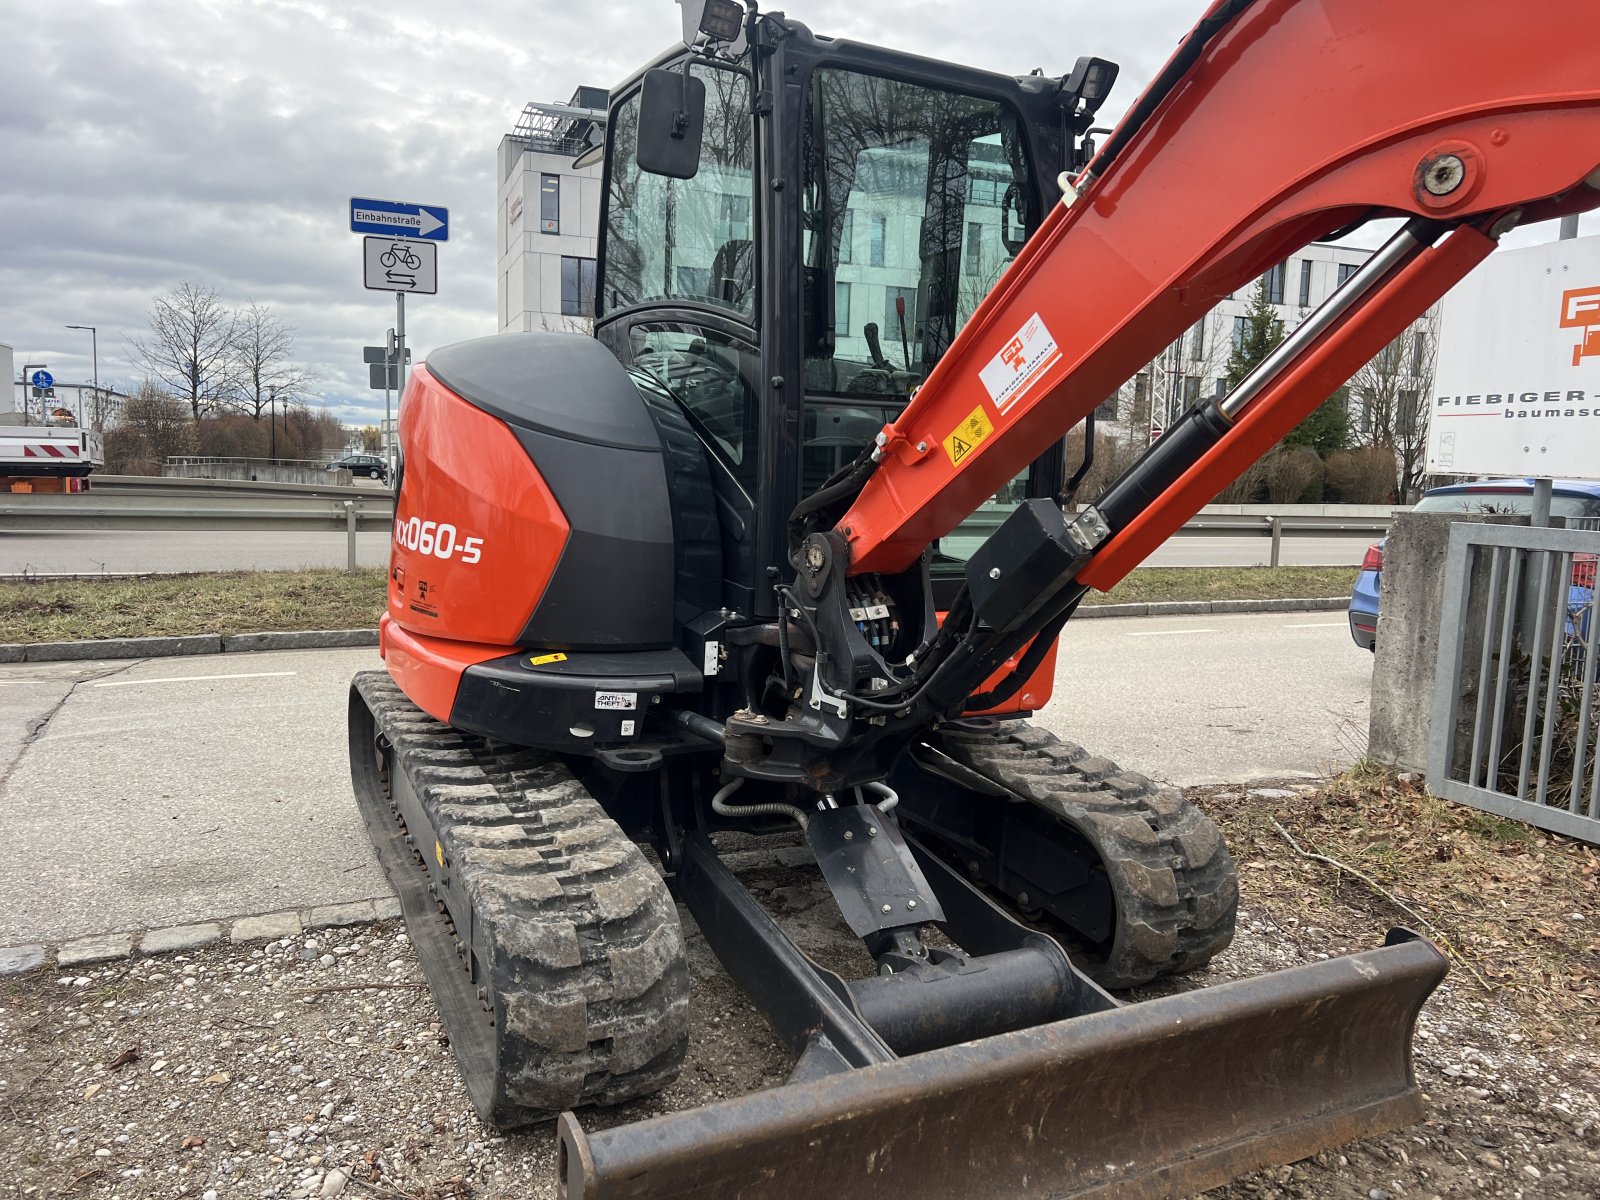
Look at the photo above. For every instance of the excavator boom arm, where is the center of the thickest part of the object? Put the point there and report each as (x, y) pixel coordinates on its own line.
(1278, 123)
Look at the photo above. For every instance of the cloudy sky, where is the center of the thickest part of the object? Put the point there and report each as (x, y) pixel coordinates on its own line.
(147, 142)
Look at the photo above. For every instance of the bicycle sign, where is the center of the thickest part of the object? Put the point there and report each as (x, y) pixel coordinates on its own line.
(398, 265)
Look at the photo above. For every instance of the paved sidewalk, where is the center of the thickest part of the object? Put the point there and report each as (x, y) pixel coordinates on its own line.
(142, 794)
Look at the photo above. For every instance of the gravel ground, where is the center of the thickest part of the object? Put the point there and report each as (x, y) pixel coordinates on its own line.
(315, 1067)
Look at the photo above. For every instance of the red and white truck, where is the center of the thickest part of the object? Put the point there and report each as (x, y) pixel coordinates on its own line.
(56, 457)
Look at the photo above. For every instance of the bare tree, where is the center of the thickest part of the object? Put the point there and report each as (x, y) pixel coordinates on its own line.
(1290, 471)
(190, 349)
(1364, 475)
(262, 345)
(154, 426)
(1392, 392)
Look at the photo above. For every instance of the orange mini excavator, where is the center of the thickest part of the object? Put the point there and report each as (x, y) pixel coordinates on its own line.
(781, 551)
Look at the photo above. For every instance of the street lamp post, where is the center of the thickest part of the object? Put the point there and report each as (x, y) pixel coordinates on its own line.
(94, 347)
(272, 401)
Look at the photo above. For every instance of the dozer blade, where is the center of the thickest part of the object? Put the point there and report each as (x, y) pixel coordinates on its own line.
(1157, 1099)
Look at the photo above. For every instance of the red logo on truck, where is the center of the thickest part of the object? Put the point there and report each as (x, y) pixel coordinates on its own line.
(1580, 309)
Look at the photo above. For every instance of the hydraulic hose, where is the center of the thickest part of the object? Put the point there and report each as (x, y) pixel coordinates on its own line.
(719, 804)
(693, 722)
(890, 796)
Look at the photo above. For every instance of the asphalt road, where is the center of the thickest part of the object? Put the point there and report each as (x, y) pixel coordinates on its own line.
(136, 550)
(92, 551)
(1217, 698)
(164, 791)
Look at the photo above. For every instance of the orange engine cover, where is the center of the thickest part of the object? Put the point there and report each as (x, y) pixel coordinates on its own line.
(477, 533)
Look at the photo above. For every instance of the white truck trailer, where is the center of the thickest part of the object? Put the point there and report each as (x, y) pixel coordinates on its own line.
(47, 458)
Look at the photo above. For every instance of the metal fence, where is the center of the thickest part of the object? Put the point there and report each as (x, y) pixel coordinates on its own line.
(1516, 714)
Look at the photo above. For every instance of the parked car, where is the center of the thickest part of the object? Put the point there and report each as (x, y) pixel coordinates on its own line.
(1570, 498)
(369, 465)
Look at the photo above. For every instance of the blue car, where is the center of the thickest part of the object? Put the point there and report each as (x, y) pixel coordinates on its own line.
(1571, 498)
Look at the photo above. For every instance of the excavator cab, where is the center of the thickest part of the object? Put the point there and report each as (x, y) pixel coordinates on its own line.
(779, 552)
(833, 215)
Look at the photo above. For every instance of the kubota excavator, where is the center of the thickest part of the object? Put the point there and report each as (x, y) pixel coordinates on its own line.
(781, 549)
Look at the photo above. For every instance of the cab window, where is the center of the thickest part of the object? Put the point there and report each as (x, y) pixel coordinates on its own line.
(915, 200)
(685, 239)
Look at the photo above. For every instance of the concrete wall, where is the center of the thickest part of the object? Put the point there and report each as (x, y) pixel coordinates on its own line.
(257, 473)
(1409, 606)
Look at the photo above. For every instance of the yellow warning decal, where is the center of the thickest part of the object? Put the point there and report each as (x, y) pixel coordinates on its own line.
(545, 659)
(968, 436)
(438, 852)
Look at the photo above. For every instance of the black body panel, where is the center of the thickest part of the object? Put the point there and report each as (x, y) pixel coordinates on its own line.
(628, 473)
(613, 586)
(562, 384)
(576, 703)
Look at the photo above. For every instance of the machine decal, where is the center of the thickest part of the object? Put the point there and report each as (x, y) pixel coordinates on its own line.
(621, 700)
(627, 728)
(544, 660)
(438, 538)
(422, 605)
(1020, 362)
(965, 437)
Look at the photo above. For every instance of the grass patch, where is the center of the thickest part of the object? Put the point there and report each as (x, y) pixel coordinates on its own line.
(1522, 906)
(161, 606)
(253, 601)
(1150, 584)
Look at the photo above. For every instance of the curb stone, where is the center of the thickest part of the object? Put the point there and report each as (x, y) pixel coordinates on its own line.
(266, 927)
(144, 647)
(101, 948)
(359, 913)
(190, 644)
(309, 639)
(107, 947)
(16, 959)
(180, 937)
(319, 639)
(1175, 608)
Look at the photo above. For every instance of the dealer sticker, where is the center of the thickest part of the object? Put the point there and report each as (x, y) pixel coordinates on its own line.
(623, 700)
(1021, 361)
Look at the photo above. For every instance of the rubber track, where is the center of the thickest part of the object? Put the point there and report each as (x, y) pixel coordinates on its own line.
(1176, 889)
(589, 981)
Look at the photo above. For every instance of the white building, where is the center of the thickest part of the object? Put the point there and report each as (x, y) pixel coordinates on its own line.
(549, 215)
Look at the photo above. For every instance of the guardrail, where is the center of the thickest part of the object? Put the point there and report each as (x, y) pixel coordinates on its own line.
(200, 489)
(1236, 520)
(137, 502)
(95, 510)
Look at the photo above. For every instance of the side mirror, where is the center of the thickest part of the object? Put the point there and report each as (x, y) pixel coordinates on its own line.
(672, 120)
(1013, 238)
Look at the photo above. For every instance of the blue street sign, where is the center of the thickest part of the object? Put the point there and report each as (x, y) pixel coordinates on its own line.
(42, 379)
(396, 219)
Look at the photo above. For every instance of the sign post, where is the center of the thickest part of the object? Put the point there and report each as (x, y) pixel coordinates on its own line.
(397, 218)
(401, 257)
(398, 265)
(383, 367)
